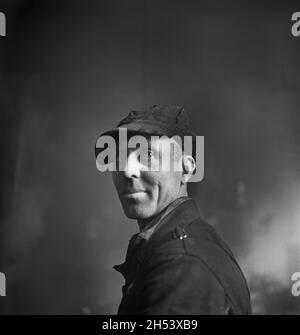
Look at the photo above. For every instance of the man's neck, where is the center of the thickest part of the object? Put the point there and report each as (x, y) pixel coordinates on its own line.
(145, 224)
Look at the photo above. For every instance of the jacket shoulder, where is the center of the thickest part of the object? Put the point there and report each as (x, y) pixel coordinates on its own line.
(199, 240)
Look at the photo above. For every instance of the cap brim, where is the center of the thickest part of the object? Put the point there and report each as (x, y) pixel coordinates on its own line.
(142, 128)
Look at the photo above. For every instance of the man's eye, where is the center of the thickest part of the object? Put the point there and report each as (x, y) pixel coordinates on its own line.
(146, 156)
(150, 153)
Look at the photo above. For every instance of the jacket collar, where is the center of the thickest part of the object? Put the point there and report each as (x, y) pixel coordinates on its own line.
(175, 217)
(179, 215)
(156, 222)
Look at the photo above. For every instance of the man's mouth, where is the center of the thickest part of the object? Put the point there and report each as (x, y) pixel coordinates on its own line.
(133, 193)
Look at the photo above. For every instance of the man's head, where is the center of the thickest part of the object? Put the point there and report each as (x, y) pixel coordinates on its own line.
(156, 174)
(145, 187)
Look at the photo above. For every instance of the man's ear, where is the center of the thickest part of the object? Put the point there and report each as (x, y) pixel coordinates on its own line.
(188, 167)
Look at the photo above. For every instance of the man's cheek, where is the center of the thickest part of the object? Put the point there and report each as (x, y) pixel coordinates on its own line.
(154, 165)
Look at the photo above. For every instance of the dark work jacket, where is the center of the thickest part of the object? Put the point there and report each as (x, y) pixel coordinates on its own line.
(184, 268)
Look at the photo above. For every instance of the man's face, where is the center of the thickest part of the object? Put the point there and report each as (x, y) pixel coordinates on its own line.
(143, 192)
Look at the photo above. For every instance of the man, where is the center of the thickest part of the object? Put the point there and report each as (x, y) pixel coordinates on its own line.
(176, 264)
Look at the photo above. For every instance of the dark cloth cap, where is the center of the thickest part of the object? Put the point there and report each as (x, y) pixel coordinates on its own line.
(162, 120)
(157, 120)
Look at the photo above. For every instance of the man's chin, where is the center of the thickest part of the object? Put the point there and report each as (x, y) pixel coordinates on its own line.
(135, 212)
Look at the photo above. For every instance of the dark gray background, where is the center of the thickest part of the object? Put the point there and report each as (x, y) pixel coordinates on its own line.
(72, 69)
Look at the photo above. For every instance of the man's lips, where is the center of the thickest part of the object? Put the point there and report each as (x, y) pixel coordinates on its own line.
(133, 191)
(134, 194)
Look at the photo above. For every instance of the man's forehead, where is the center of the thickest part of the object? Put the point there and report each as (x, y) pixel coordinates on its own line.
(164, 143)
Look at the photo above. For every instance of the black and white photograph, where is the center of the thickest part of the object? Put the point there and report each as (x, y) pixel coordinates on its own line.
(150, 158)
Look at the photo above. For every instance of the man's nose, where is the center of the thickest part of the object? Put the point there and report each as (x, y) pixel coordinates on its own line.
(132, 168)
